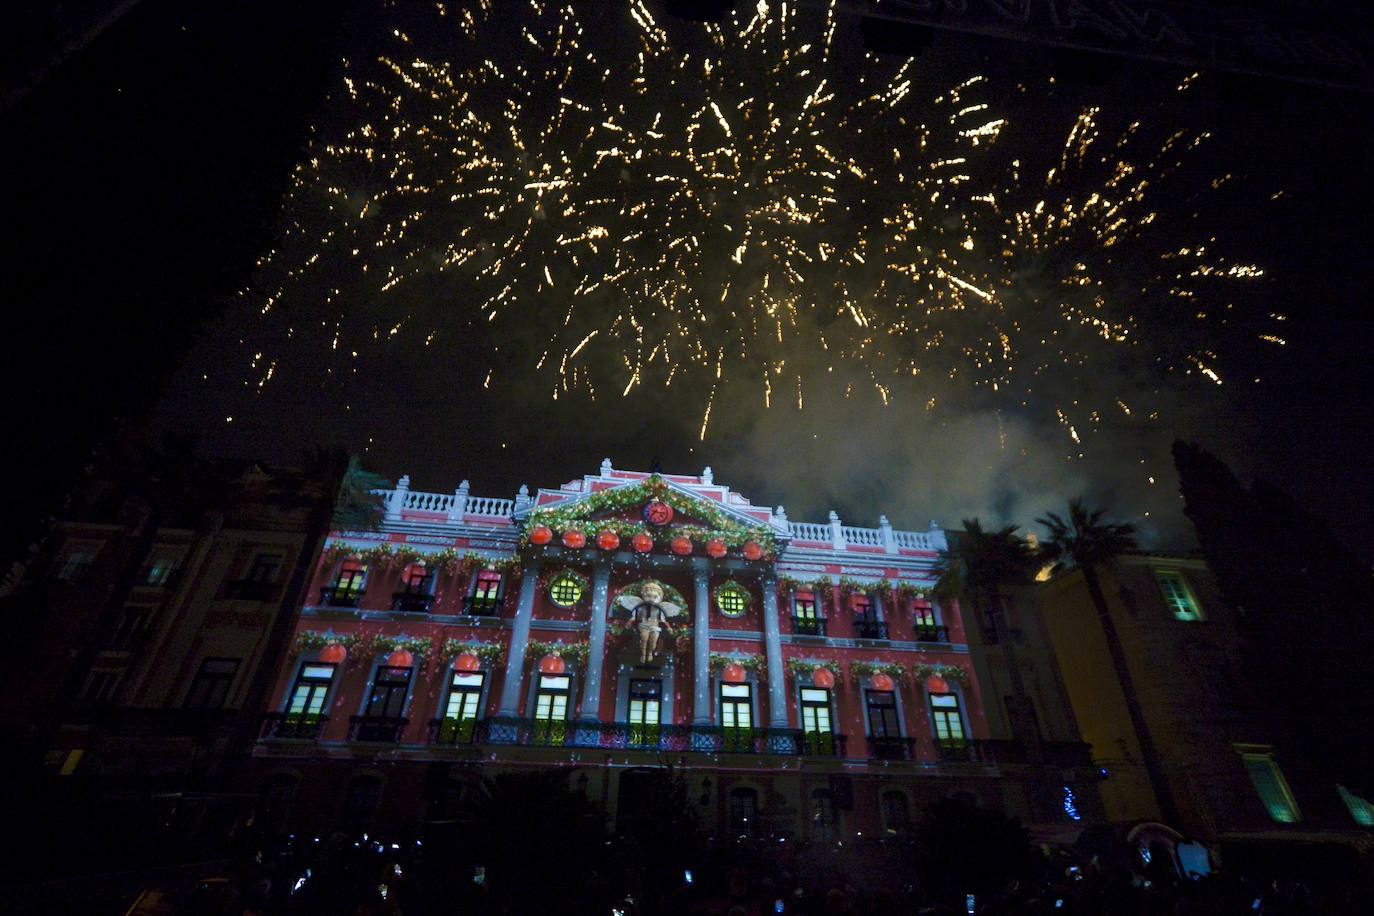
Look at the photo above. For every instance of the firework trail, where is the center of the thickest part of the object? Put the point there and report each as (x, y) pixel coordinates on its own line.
(615, 199)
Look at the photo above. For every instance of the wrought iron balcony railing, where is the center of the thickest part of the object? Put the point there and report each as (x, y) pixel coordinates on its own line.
(338, 596)
(808, 626)
(891, 747)
(483, 607)
(250, 590)
(929, 632)
(293, 725)
(412, 602)
(866, 628)
(823, 744)
(384, 729)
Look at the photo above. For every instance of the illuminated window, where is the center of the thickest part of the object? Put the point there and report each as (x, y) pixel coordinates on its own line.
(817, 730)
(804, 606)
(737, 717)
(312, 686)
(732, 599)
(463, 708)
(645, 711)
(76, 564)
(418, 579)
(923, 615)
(551, 709)
(352, 575)
(1272, 787)
(1177, 596)
(1361, 810)
(945, 718)
(566, 590)
(162, 567)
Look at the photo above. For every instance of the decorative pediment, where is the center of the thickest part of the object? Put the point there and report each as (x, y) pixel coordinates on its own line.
(654, 509)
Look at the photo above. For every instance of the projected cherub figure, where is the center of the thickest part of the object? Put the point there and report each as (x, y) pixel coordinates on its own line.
(649, 614)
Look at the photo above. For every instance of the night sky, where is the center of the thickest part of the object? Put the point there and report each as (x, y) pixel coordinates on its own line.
(155, 179)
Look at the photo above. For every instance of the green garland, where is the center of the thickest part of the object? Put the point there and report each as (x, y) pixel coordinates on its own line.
(860, 669)
(800, 667)
(948, 672)
(389, 556)
(718, 523)
(850, 586)
(422, 647)
(314, 640)
(820, 586)
(492, 654)
(747, 662)
(905, 591)
(574, 654)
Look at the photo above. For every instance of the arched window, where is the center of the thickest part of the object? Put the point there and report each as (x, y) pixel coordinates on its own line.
(896, 812)
(744, 811)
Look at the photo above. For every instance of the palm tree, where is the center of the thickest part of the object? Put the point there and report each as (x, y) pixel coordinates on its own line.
(980, 567)
(1085, 542)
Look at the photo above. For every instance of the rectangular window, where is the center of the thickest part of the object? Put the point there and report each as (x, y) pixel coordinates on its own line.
(737, 717)
(1178, 598)
(265, 568)
(310, 691)
(1361, 810)
(100, 687)
(390, 688)
(863, 608)
(212, 683)
(817, 731)
(486, 594)
(882, 714)
(352, 576)
(463, 708)
(804, 606)
(923, 616)
(76, 564)
(645, 711)
(132, 630)
(945, 718)
(551, 708)
(744, 805)
(823, 820)
(1272, 787)
(418, 579)
(162, 566)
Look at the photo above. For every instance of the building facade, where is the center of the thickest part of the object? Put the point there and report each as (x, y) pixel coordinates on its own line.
(1228, 776)
(800, 677)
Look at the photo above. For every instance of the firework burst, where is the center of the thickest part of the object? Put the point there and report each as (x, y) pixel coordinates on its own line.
(617, 200)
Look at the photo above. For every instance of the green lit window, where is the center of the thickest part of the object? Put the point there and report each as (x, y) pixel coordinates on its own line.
(732, 600)
(1271, 786)
(1177, 597)
(1361, 810)
(565, 590)
(944, 716)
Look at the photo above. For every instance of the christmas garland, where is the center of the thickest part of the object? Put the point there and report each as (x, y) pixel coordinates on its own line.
(850, 586)
(573, 653)
(905, 591)
(801, 667)
(314, 640)
(719, 525)
(492, 654)
(820, 587)
(747, 662)
(419, 646)
(948, 672)
(860, 669)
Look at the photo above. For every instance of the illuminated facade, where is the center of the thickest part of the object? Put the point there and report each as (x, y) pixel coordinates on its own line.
(800, 676)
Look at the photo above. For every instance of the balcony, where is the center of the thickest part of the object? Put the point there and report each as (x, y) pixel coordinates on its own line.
(808, 626)
(412, 602)
(630, 736)
(964, 750)
(338, 596)
(929, 632)
(250, 590)
(891, 747)
(454, 732)
(298, 726)
(380, 729)
(823, 744)
(158, 577)
(867, 628)
(478, 606)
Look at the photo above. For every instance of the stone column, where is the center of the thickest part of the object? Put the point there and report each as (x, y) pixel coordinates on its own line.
(596, 643)
(772, 642)
(519, 639)
(701, 647)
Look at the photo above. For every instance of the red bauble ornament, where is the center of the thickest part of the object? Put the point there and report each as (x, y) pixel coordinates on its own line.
(401, 658)
(881, 681)
(733, 673)
(642, 542)
(333, 653)
(682, 545)
(467, 662)
(574, 539)
(936, 684)
(715, 548)
(752, 550)
(552, 664)
(822, 678)
(541, 535)
(608, 540)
